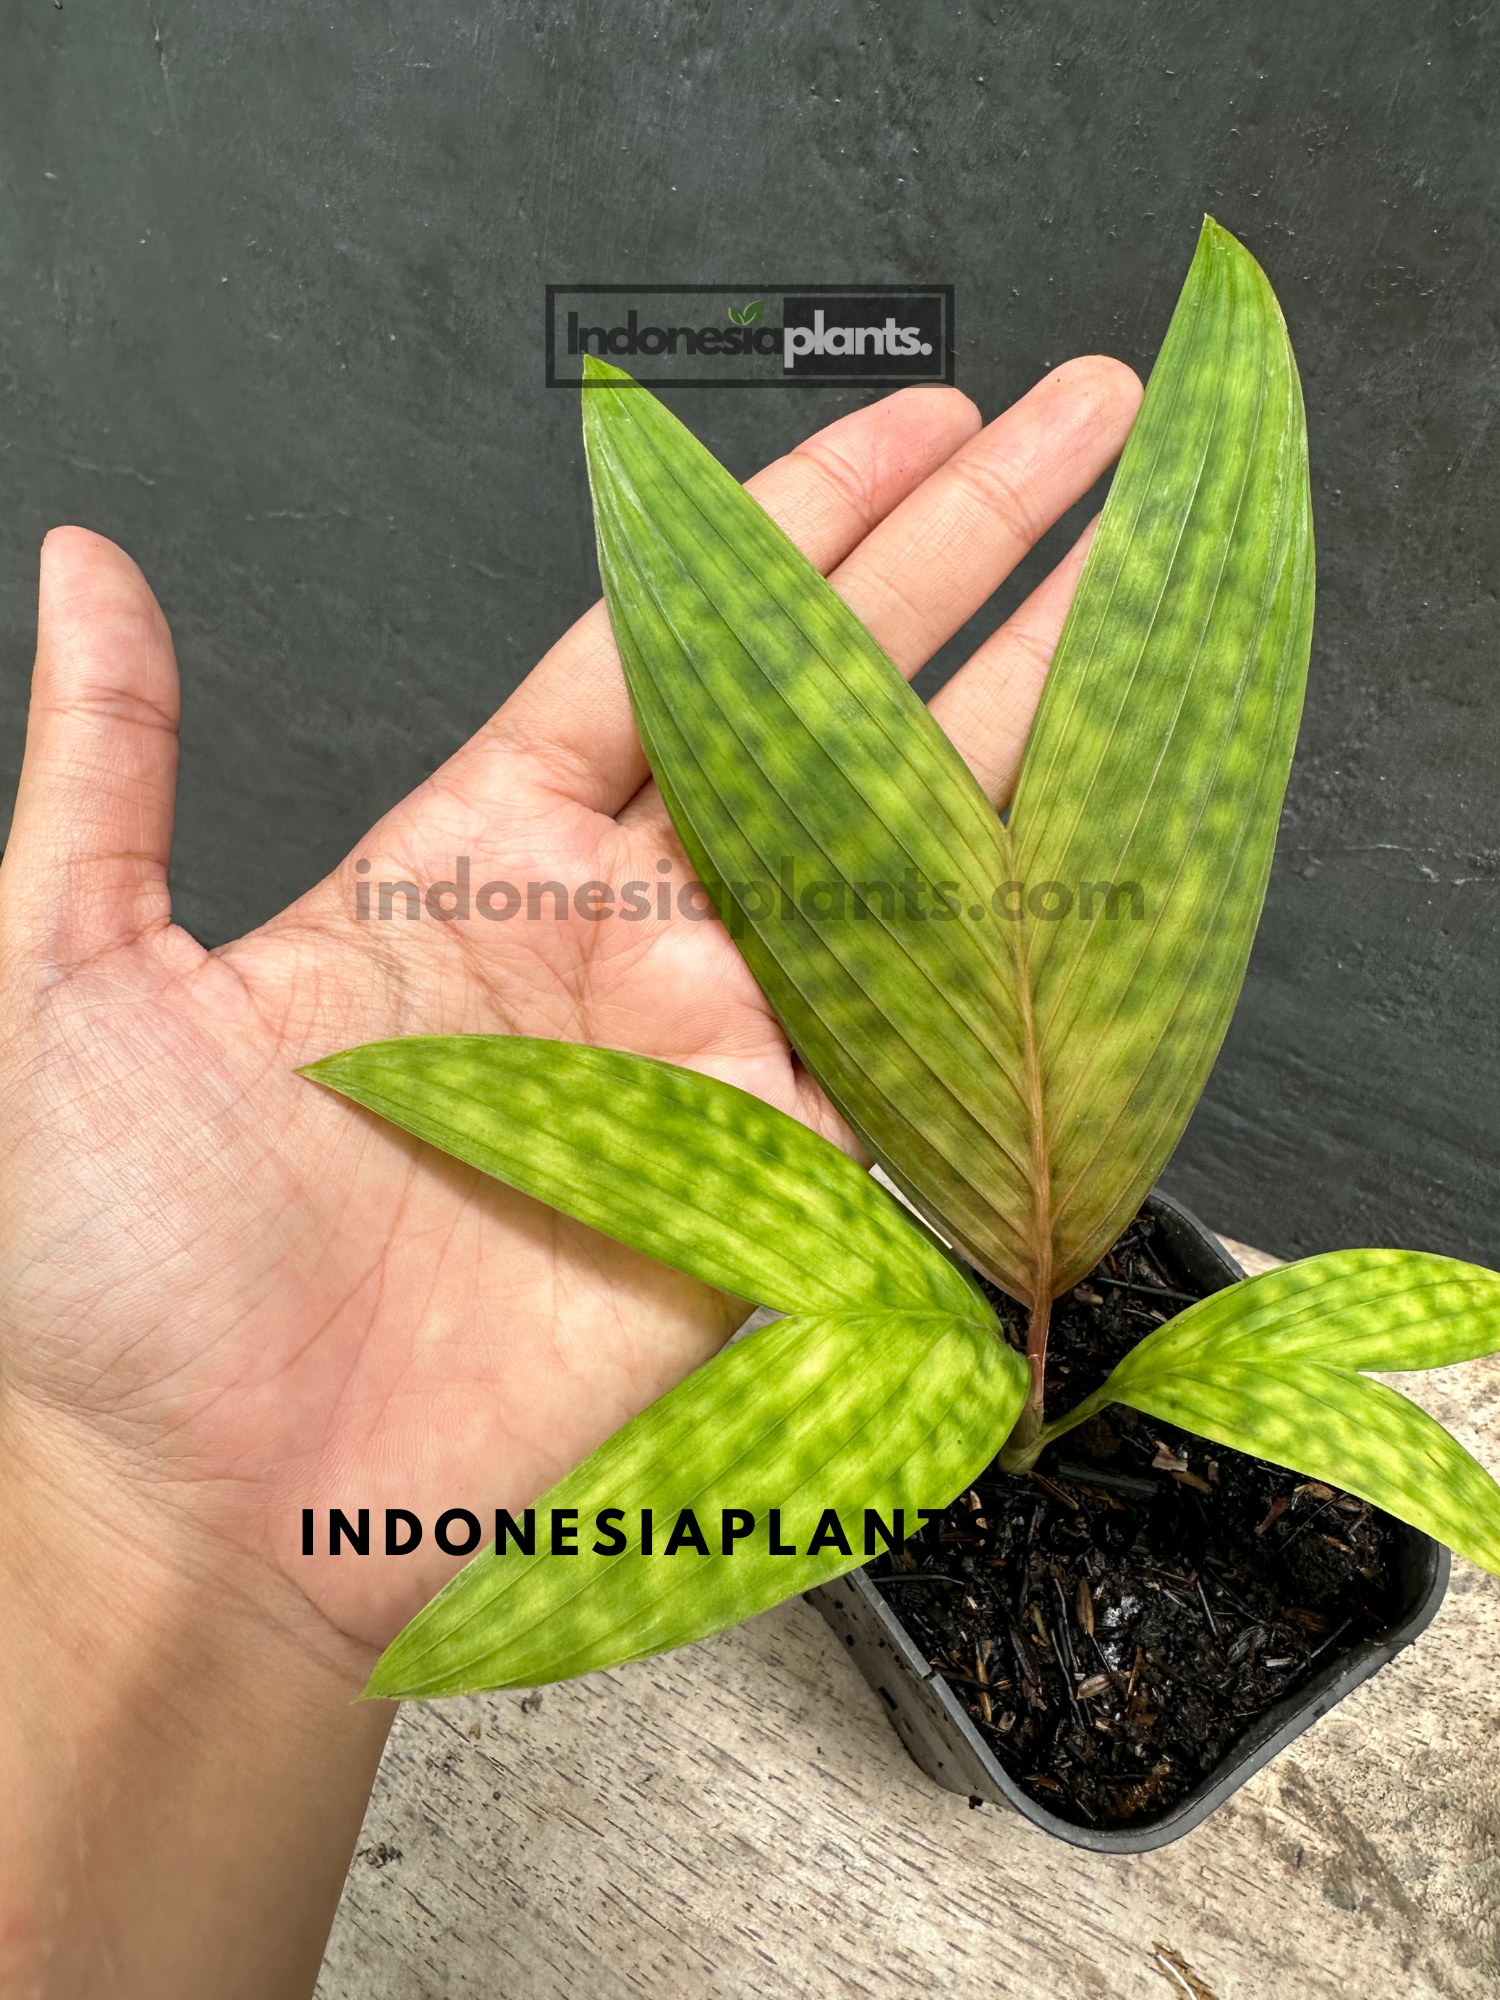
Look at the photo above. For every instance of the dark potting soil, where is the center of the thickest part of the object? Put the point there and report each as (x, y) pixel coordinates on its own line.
(1115, 1620)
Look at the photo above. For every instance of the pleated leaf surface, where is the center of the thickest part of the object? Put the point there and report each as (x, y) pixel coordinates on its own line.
(696, 1173)
(822, 807)
(841, 1412)
(1274, 1367)
(1153, 780)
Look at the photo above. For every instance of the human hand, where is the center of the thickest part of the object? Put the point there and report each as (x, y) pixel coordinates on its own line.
(245, 1297)
(226, 1295)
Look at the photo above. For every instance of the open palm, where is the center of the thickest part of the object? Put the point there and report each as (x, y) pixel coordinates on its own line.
(230, 1295)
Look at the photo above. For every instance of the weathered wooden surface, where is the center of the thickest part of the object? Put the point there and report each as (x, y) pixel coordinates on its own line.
(737, 1822)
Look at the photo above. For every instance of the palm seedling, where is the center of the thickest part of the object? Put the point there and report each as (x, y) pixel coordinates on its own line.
(1015, 1015)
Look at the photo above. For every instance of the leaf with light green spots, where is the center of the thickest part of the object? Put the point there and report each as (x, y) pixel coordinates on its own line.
(1274, 1366)
(816, 1415)
(840, 835)
(1154, 776)
(696, 1173)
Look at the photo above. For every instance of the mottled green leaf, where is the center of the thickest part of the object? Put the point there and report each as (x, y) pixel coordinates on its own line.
(700, 1175)
(1383, 1309)
(1020, 1024)
(1272, 1367)
(843, 1411)
(1160, 751)
(822, 807)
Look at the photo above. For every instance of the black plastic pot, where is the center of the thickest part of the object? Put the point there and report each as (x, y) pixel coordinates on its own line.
(942, 1739)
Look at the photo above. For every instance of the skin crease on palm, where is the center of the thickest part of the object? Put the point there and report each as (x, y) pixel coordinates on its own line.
(226, 1294)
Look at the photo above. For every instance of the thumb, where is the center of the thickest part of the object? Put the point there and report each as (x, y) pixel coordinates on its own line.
(86, 864)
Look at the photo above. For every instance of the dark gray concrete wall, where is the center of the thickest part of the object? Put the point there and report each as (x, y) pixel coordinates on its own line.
(270, 315)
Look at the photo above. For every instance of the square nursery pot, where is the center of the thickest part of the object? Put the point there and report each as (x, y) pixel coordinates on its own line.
(940, 1736)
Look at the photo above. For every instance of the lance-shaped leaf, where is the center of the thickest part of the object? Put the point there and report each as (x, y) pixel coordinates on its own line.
(702, 1176)
(1273, 1367)
(842, 838)
(1153, 780)
(1021, 1050)
(818, 1418)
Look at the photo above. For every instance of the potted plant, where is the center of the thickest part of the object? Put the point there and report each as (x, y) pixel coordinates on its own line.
(1015, 1015)
(1156, 1633)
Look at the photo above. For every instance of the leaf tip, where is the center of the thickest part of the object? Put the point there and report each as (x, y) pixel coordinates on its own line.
(596, 370)
(1216, 242)
(323, 1070)
(387, 1682)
